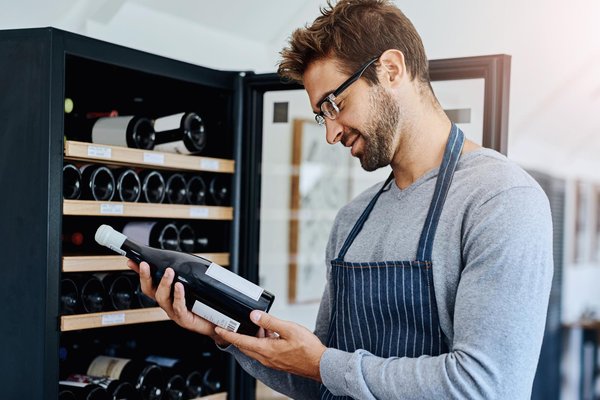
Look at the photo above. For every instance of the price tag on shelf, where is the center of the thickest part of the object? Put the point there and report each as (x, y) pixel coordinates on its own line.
(154, 158)
(111, 319)
(198, 212)
(111, 209)
(207, 164)
(99, 151)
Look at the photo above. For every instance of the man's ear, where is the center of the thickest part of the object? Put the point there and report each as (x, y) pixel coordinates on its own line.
(392, 68)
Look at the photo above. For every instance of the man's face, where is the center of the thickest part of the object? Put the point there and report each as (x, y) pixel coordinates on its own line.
(369, 116)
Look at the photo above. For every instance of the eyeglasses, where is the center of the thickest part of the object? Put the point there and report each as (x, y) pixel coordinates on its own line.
(328, 106)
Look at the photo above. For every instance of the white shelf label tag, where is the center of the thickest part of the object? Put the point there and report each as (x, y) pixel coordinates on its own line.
(199, 212)
(111, 209)
(111, 319)
(212, 165)
(99, 151)
(234, 281)
(215, 316)
(154, 158)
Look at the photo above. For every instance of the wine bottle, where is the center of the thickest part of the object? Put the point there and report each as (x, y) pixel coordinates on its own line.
(83, 391)
(153, 186)
(162, 235)
(65, 393)
(129, 186)
(219, 189)
(176, 189)
(119, 290)
(69, 297)
(211, 381)
(77, 237)
(98, 183)
(126, 131)
(71, 182)
(92, 293)
(196, 190)
(211, 291)
(147, 378)
(140, 299)
(115, 389)
(182, 133)
(187, 238)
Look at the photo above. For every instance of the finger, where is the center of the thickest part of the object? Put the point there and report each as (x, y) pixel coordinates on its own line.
(163, 292)
(146, 280)
(270, 323)
(239, 340)
(132, 265)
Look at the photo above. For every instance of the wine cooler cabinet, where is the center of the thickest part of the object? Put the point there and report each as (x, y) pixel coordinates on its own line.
(95, 133)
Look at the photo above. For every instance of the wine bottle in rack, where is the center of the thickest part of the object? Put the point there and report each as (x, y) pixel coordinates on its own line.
(184, 381)
(176, 189)
(71, 182)
(69, 297)
(77, 237)
(147, 378)
(92, 294)
(220, 189)
(187, 238)
(98, 183)
(162, 235)
(211, 291)
(65, 393)
(211, 381)
(126, 131)
(182, 133)
(140, 300)
(82, 391)
(119, 290)
(129, 186)
(153, 186)
(196, 190)
(115, 389)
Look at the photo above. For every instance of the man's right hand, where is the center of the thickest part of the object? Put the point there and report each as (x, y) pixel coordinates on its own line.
(174, 307)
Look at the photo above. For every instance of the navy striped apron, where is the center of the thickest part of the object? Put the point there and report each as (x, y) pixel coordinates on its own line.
(388, 307)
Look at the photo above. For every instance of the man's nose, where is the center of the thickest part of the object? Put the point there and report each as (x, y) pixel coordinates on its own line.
(334, 131)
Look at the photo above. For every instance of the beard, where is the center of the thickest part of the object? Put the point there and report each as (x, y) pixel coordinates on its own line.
(380, 131)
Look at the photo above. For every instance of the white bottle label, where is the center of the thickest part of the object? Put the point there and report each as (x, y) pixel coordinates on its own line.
(111, 319)
(72, 383)
(99, 151)
(215, 316)
(112, 209)
(110, 367)
(199, 212)
(234, 281)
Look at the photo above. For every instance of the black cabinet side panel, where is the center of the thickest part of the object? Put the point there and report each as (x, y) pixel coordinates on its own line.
(24, 184)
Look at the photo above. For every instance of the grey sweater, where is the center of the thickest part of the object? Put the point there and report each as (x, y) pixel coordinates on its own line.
(492, 269)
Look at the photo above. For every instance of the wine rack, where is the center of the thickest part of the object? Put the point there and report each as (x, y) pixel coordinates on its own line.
(41, 67)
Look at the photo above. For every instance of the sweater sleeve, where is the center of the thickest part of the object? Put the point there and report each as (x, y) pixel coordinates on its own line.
(499, 314)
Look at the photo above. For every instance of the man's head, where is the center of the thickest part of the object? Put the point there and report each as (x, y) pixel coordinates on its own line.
(352, 40)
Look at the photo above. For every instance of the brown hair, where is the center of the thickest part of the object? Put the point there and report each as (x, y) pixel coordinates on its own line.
(353, 31)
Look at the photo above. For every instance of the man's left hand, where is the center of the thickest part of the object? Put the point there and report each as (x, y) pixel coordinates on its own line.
(286, 346)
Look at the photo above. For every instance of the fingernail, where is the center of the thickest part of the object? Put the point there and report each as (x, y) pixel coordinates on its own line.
(255, 315)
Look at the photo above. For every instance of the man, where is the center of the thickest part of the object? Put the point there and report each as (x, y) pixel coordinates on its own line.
(439, 277)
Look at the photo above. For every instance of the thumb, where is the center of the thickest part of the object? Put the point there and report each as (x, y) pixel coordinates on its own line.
(268, 322)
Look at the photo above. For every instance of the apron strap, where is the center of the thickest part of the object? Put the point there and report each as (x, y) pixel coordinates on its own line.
(449, 162)
(363, 217)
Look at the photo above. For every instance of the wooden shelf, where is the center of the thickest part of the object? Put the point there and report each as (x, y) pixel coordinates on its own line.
(112, 318)
(150, 210)
(118, 263)
(216, 396)
(81, 151)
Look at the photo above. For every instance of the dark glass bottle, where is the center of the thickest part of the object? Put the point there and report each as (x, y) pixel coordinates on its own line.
(119, 290)
(69, 297)
(126, 131)
(83, 391)
(220, 189)
(147, 378)
(187, 238)
(92, 294)
(196, 190)
(211, 291)
(115, 389)
(71, 182)
(186, 376)
(153, 186)
(140, 300)
(182, 133)
(176, 189)
(162, 235)
(98, 183)
(129, 186)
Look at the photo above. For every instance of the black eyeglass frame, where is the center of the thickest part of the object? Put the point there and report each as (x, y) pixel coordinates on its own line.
(330, 98)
